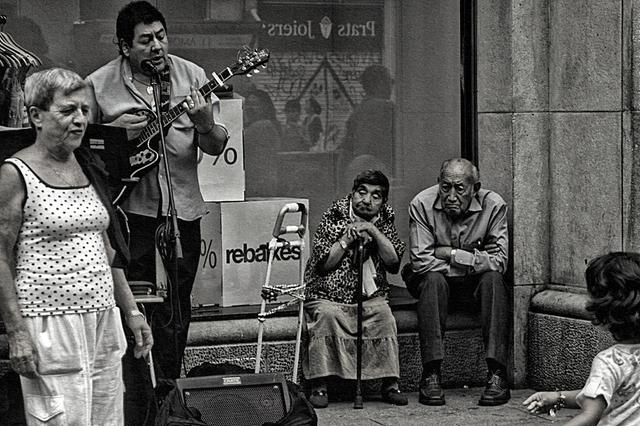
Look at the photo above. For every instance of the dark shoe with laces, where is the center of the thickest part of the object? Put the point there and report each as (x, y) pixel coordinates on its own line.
(394, 396)
(496, 392)
(319, 398)
(431, 392)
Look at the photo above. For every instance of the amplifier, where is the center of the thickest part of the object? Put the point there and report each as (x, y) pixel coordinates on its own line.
(240, 399)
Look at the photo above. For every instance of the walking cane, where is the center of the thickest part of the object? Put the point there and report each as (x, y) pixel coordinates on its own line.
(357, 401)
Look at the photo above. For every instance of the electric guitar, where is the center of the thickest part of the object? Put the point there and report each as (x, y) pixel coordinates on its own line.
(144, 149)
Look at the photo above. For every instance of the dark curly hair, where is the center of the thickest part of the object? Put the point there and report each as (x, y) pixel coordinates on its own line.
(613, 281)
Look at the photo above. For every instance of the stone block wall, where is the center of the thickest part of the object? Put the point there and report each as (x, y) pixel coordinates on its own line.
(557, 117)
(464, 362)
(561, 350)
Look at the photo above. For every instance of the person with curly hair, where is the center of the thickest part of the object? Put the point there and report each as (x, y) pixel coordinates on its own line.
(612, 391)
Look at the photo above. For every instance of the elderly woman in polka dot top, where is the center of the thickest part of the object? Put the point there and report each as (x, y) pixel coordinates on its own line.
(61, 266)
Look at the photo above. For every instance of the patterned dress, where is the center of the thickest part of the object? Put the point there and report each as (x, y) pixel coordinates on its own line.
(331, 312)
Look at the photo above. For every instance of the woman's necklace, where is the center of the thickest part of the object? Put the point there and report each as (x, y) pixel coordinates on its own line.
(149, 87)
(70, 177)
(62, 177)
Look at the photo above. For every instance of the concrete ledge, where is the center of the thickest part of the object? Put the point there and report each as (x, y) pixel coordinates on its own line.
(560, 303)
(235, 341)
(236, 331)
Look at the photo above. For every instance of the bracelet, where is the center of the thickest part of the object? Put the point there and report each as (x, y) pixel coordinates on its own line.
(343, 244)
(559, 404)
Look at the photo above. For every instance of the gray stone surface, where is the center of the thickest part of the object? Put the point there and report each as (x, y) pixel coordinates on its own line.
(494, 61)
(463, 365)
(630, 23)
(461, 410)
(586, 189)
(494, 159)
(631, 179)
(561, 351)
(530, 208)
(632, 41)
(521, 299)
(530, 55)
(561, 304)
(585, 55)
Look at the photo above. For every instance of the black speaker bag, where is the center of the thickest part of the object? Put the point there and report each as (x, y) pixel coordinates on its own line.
(171, 410)
(301, 412)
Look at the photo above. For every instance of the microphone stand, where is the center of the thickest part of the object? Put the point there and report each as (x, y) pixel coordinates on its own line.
(171, 220)
(172, 213)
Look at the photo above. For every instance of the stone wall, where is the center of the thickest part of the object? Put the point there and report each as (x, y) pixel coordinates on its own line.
(235, 342)
(557, 116)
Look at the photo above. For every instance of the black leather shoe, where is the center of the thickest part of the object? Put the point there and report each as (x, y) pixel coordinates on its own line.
(496, 392)
(394, 396)
(319, 398)
(431, 392)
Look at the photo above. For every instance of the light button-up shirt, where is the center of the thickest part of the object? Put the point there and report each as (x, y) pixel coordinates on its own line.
(484, 222)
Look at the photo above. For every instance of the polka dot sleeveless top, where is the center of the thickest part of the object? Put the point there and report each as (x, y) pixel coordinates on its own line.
(61, 261)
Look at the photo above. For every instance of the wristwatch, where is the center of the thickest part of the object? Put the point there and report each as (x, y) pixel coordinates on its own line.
(453, 255)
(343, 244)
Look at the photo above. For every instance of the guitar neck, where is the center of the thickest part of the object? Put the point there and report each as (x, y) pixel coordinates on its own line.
(170, 116)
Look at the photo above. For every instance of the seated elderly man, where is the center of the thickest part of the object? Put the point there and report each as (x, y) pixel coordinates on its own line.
(331, 278)
(458, 247)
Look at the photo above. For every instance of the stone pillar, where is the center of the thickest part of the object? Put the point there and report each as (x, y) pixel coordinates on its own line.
(513, 120)
(557, 118)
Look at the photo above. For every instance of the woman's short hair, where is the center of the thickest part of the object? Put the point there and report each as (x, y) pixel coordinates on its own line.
(131, 15)
(372, 177)
(613, 281)
(40, 87)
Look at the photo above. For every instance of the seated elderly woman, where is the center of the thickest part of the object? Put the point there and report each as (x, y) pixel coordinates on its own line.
(61, 266)
(331, 278)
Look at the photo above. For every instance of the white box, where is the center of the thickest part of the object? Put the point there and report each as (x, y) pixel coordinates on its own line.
(222, 176)
(234, 249)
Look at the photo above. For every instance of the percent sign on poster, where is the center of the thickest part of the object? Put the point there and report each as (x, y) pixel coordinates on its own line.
(208, 256)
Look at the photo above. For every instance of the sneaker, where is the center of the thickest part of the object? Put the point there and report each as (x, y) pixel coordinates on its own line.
(496, 392)
(394, 396)
(319, 398)
(431, 392)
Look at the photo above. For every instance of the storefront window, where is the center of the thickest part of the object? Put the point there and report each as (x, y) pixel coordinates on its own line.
(350, 84)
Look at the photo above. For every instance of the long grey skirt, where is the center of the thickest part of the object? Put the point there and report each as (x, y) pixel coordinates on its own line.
(331, 340)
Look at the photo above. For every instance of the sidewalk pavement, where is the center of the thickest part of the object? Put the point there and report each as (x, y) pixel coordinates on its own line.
(461, 409)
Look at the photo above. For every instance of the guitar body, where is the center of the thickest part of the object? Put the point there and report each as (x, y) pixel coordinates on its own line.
(143, 156)
(145, 149)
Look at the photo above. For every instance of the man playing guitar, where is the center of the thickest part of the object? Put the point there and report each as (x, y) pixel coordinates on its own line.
(123, 96)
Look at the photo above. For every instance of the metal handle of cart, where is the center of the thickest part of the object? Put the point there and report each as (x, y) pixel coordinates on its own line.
(270, 292)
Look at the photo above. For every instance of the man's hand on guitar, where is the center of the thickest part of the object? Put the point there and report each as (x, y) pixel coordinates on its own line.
(199, 110)
(134, 123)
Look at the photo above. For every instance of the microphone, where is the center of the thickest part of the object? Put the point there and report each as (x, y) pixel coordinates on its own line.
(147, 66)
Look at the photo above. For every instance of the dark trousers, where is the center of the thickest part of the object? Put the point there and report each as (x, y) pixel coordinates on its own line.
(486, 294)
(169, 320)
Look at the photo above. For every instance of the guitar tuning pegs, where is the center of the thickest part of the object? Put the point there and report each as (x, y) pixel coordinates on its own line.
(249, 74)
(263, 65)
(256, 71)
